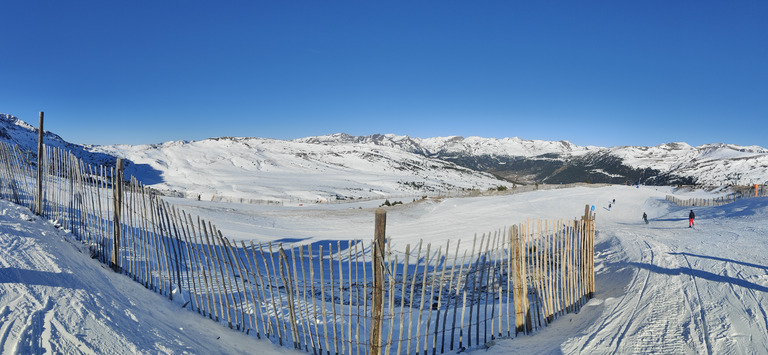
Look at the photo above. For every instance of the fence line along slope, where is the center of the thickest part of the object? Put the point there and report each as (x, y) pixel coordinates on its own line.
(316, 298)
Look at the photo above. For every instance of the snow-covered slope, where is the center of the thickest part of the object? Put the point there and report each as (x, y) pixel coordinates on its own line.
(662, 288)
(343, 166)
(555, 162)
(55, 299)
(710, 164)
(458, 145)
(17, 132)
(268, 169)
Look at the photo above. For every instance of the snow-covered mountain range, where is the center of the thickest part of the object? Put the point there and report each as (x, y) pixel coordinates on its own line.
(270, 169)
(341, 166)
(528, 161)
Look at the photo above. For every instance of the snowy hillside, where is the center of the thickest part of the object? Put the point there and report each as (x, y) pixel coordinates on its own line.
(563, 162)
(268, 169)
(711, 164)
(341, 166)
(17, 132)
(344, 166)
(458, 145)
(662, 288)
(55, 299)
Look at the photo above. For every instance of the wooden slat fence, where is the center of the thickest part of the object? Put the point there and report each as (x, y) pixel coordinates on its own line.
(754, 191)
(317, 297)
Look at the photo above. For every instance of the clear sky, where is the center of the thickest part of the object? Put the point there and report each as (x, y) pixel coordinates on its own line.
(602, 73)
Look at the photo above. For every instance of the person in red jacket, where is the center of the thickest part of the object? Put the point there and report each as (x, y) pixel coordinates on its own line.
(691, 216)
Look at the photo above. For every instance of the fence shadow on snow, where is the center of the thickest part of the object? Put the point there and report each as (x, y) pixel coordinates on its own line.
(324, 297)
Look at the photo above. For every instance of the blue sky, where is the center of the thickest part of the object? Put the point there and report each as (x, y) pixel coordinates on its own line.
(602, 73)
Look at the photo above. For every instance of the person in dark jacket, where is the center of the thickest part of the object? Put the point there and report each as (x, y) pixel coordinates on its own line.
(645, 218)
(691, 216)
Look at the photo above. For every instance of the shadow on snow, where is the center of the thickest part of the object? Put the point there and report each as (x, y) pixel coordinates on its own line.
(706, 275)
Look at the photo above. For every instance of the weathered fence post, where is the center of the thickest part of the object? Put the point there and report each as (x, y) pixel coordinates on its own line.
(39, 203)
(117, 189)
(518, 263)
(378, 280)
(589, 241)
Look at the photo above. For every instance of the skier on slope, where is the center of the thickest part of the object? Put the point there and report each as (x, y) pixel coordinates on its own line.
(691, 216)
(645, 218)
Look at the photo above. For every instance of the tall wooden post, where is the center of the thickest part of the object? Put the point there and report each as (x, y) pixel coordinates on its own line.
(378, 281)
(589, 233)
(39, 202)
(518, 281)
(117, 189)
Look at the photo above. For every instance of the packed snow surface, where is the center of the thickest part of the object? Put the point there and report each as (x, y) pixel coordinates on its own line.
(662, 288)
(55, 299)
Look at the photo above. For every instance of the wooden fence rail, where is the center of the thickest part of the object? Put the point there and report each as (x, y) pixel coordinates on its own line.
(327, 297)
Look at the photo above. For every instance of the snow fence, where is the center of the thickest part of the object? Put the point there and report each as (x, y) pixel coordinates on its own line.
(324, 297)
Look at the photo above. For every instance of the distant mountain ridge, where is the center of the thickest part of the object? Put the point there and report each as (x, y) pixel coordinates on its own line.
(529, 161)
(387, 164)
(454, 144)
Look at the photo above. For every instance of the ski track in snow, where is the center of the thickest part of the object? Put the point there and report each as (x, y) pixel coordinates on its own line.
(700, 307)
(690, 291)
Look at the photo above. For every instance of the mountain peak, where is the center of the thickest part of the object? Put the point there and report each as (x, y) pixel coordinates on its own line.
(8, 120)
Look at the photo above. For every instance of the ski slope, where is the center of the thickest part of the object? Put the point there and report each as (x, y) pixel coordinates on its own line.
(662, 288)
